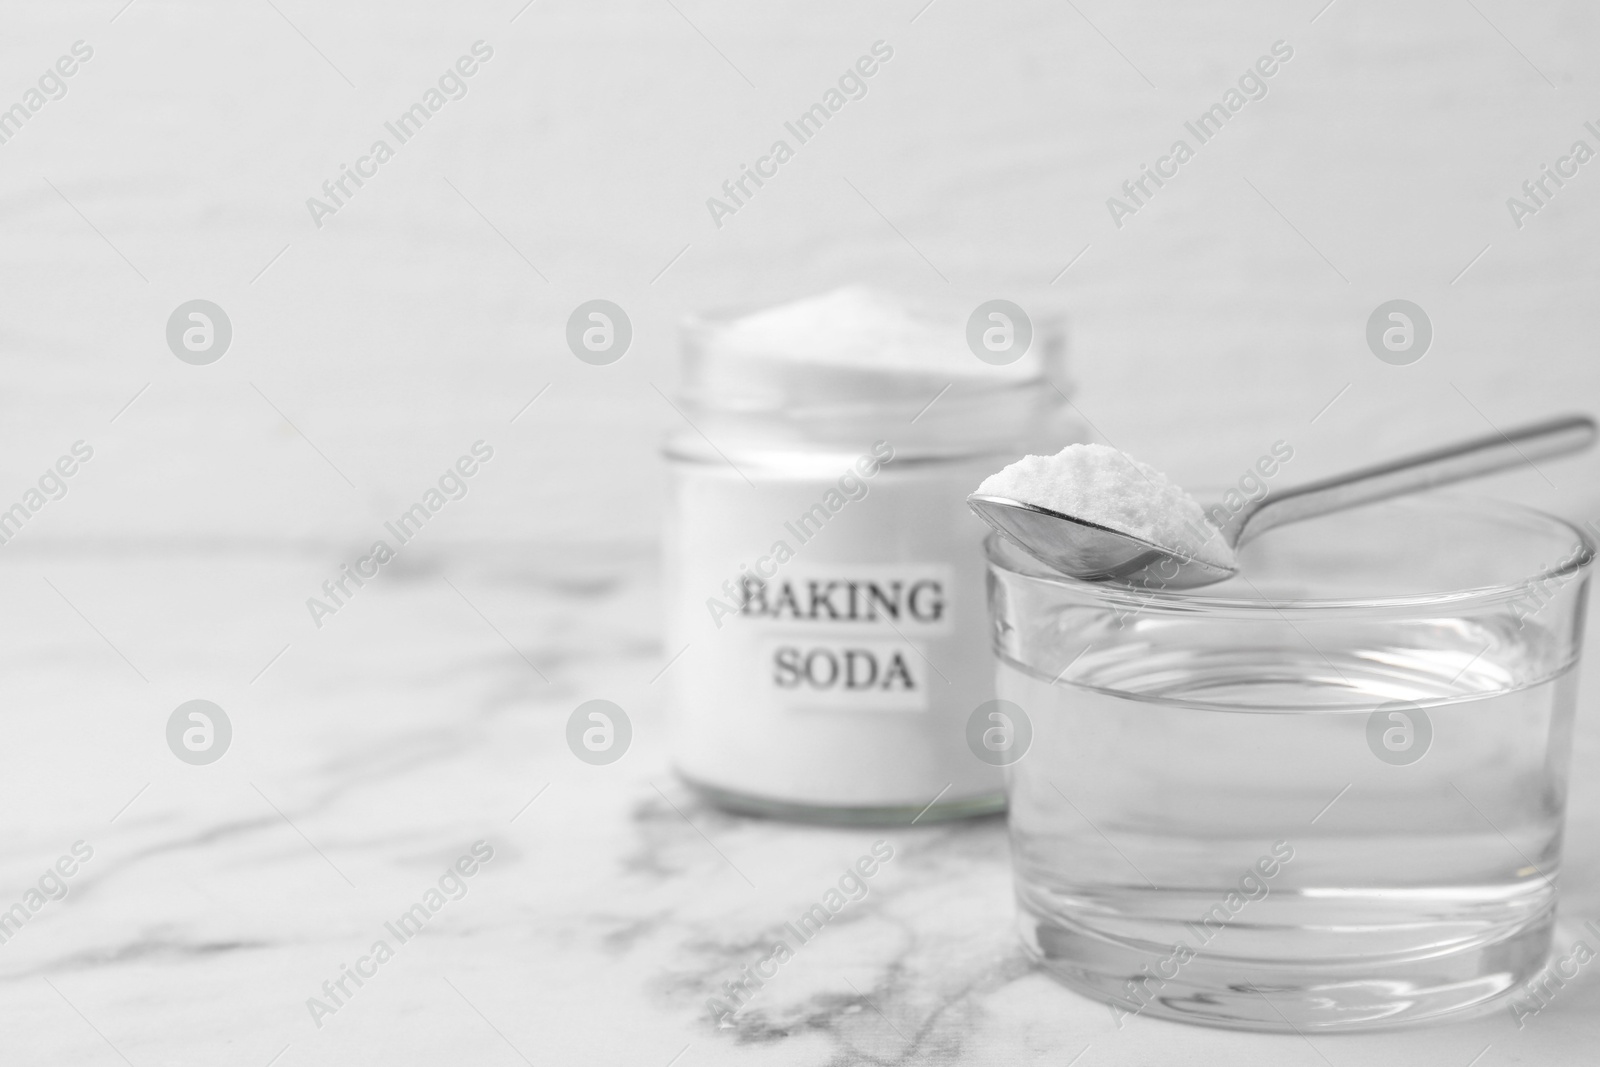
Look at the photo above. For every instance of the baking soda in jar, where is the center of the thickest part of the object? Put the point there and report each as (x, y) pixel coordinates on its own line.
(824, 578)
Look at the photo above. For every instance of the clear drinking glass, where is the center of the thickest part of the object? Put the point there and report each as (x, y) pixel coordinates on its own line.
(1327, 794)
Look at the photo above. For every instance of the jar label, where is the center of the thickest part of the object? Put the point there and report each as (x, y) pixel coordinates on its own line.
(839, 671)
(899, 599)
(846, 636)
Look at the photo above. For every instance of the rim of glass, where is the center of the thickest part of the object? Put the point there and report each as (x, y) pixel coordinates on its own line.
(1181, 601)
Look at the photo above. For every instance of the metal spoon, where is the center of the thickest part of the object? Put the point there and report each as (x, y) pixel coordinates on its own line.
(1095, 553)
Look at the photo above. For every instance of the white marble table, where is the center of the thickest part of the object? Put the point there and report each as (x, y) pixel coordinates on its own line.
(373, 753)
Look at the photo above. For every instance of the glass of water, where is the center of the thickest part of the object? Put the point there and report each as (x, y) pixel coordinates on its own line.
(1327, 794)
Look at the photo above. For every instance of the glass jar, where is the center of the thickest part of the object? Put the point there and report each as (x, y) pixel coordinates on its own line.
(824, 579)
(1327, 794)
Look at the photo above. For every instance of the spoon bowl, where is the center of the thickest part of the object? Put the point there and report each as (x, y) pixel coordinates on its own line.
(1091, 552)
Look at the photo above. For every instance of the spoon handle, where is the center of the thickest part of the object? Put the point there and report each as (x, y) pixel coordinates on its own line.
(1481, 455)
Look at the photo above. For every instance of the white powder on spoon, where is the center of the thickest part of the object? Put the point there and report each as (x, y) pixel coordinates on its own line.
(1110, 488)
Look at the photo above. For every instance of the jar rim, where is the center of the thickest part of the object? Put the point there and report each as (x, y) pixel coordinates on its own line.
(829, 374)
